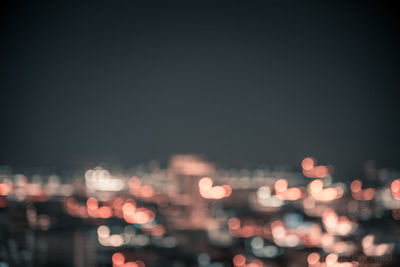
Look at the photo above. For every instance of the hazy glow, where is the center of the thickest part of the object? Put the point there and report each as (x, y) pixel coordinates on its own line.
(207, 190)
(395, 188)
(311, 170)
(361, 194)
(118, 259)
(313, 258)
(4, 189)
(371, 249)
(239, 260)
(285, 193)
(337, 225)
(316, 190)
(101, 180)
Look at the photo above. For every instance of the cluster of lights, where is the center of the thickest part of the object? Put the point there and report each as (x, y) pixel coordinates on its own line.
(361, 194)
(337, 225)
(312, 170)
(315, 205)
(319, 193)
(119, 260)
(210, 191)
(101, 180)
(240, 260)
(331, 260)
(119, 207)
(246, 229)
(376, 250)
(285, 193)
(21, 189)
(117, 196)
(266, 200)
(137, 189)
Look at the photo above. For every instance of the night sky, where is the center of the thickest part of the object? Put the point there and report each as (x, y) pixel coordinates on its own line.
(241, 82)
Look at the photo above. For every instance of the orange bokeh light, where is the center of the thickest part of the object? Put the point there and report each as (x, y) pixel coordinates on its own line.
(118, 258)
(239, 260)
(281, 185)
(4, 189)
(205, 183)
(313, 258)
(92, 203)
(395, 188)
(308, 164)
(234, 223)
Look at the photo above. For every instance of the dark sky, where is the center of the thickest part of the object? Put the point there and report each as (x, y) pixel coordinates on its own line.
(241, 82)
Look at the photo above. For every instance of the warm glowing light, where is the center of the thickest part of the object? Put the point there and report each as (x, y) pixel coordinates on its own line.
(310, 169)
(263, 192)
(327, 240)
(395, 188)
(207, 190)
(355, 186)
(331, 259)
(281, 190)
(368, 241)
(92, 203)
(103, 231)
(140, 216)
(239, 260)
(116, 240)
(205, 183)
(101, 180)
(147, 191)
(118, 258)
(158, 230)
(308, 164)
(255, 263)
(134, 183)
(190, 165)
(228, 190)
(292, 194)
(4, 189)
(359, 194)
(247, 231)
(371, 249)
(313, 258)
(104, 212)
(316, 186)
(129, 208)
(368, 194)
(318, 192)
(117, 203)
(234, 223)
(217, 192)
(281, 185)
(320, 171)
(337, 225)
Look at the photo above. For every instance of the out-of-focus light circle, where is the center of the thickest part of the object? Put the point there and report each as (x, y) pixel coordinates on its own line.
(205, 183)
(263, 192)
(257, 242)
(103, 231)
(239, 260)
(313, 258)
(118, 258)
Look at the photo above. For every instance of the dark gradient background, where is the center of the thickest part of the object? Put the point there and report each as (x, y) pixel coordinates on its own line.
(241, 82)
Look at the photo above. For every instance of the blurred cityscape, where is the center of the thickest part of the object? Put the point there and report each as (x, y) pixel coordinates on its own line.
(195, 214)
